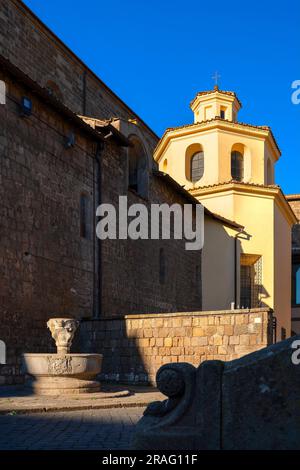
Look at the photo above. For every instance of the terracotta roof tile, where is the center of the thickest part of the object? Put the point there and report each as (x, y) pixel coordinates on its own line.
(243, 183)
(215, 90)
(293, 197)
(218, 119)
(266, 128)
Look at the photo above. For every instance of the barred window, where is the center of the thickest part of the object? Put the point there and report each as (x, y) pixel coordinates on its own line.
(251, 281)
(296, 283)
(197, 166)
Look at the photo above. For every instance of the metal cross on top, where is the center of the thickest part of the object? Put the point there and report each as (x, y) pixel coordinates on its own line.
(216, 78)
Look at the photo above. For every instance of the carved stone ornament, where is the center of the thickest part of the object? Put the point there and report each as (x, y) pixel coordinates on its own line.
(63, 331)
(59, 365)
(251, 403)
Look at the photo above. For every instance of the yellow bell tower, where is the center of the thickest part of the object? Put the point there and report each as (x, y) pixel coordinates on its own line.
(229, 167)
(229, 150)
(215, 103)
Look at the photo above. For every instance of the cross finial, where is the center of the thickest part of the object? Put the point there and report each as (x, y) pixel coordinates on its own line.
(216, 78)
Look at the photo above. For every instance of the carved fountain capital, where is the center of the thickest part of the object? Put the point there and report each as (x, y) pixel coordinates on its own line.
(63, 331)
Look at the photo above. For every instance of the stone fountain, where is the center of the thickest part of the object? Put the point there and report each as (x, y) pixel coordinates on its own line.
(63, 372)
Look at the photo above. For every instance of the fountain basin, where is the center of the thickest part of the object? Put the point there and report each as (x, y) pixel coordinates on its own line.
(56, 374)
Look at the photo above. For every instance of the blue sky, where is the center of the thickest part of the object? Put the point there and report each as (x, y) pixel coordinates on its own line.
(156, 55)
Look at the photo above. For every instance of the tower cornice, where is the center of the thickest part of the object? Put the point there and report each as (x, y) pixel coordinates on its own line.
(252, 189)
(216, 123)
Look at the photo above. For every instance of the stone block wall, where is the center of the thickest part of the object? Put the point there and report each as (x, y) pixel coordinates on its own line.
(131, 268)
(136, 346)
(11, 375)
(47, 268)
(36, 50)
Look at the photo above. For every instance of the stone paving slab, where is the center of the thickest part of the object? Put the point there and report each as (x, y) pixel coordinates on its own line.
(106, 429)
(16, 401)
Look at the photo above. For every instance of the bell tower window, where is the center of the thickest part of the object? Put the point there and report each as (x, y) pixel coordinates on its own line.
(197, 166)
(223, 112)
(237, 166)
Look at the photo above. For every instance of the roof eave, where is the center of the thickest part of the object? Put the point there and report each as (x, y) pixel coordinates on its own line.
(45, 96)
(188, 129)
(169, 180)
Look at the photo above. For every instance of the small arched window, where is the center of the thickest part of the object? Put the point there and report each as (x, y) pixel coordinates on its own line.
(197, 166)
(54, 90)
(2, 352)
(137, 167)
(237, 166)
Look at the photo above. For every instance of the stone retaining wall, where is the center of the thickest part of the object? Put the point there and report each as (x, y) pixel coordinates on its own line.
(134, 347)
(11, 375)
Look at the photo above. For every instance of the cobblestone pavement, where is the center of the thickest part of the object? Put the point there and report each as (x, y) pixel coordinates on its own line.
(83, 430)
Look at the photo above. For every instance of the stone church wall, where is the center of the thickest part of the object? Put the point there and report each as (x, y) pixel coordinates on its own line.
(32, 47)
(136, 346)
(47, 268)
(131, 278)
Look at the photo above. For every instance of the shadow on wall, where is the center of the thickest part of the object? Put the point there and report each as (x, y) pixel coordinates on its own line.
(122, 360)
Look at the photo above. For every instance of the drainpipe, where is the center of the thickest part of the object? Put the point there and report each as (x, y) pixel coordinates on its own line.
(236, 300)
(97, 300)
(84, 94)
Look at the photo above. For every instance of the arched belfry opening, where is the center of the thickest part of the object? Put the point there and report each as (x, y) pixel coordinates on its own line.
(238, 162)
(138, 176)
(194, 163)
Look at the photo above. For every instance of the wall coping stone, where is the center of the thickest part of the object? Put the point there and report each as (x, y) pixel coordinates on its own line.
(182, 314)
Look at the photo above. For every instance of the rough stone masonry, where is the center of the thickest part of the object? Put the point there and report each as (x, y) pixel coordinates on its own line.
(250, 403)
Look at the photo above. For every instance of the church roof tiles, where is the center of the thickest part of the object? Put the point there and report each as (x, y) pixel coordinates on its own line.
(220, 120)
(243, 183)
(209, 92)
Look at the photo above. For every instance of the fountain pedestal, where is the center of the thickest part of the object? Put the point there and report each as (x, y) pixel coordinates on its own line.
(64, 372)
